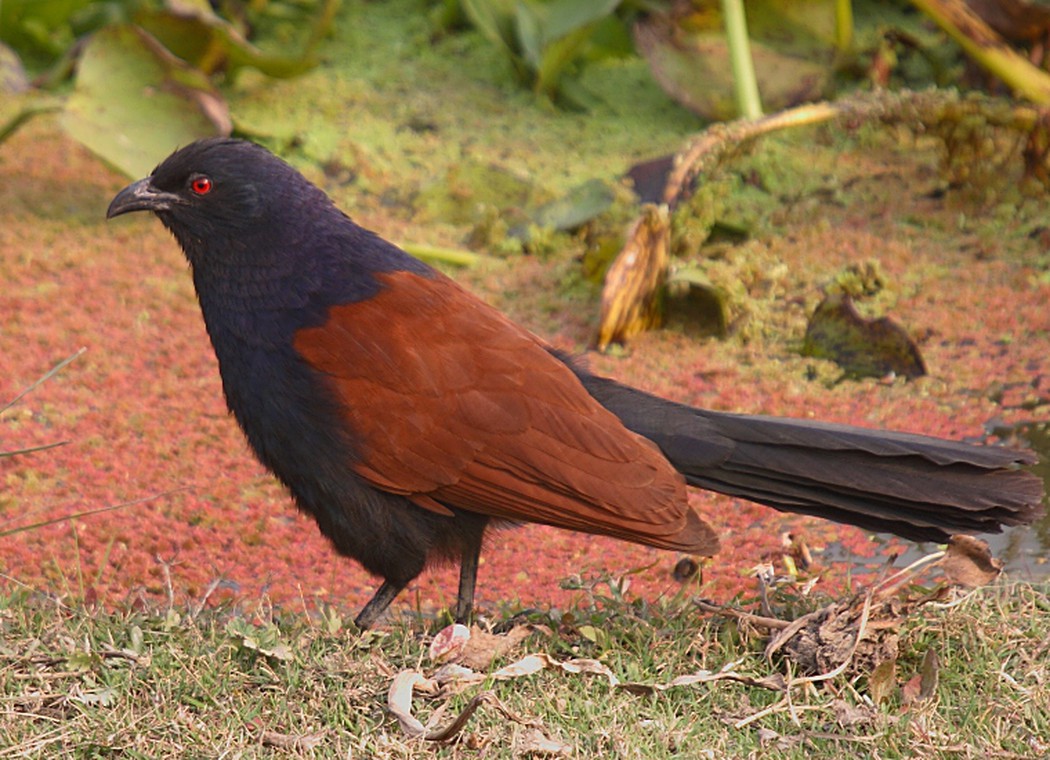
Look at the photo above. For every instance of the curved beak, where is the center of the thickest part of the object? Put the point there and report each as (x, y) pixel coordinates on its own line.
(141, 196)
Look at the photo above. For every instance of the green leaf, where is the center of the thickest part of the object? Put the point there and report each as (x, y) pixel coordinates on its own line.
(209, 42)
(931, 669)
(557, 57)
(494, 19)
(134, 102)
(564, 17)
(551, 35)
(529, 34)
(576, 207)
(41, 24)
(542, 39)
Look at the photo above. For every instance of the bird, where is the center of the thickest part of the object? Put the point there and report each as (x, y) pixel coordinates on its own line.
(409, 417)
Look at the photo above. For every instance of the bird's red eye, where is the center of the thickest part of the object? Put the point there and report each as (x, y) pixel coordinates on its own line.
(201, 185)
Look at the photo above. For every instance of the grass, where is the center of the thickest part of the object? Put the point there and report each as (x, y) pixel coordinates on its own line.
(260, 682)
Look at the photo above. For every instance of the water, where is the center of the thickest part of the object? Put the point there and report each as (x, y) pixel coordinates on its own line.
(1024, 550)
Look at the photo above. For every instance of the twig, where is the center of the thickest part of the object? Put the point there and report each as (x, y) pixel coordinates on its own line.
(909, 570)
(42, 379)
(762, 620)
(88, 513)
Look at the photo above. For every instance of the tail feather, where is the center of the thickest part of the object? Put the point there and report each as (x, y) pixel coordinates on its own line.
(914, 486)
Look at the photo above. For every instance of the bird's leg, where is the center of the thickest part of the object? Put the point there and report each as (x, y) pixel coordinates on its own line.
(468, 578)
(377, 605)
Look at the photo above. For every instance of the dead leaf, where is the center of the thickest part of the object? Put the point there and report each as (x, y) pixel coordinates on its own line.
(795, 547)
(452, 672)
(851, 636)
(696, 298)
(774, 681)
(13, 78)
(474, 648)
(291, 742)
(767, 735)
(526, 666)
(968, 562)
(850, 716)
(449, 642)
(1015, 20)
(482, 648)
(399, 700)
(862, 347)
(910, 690)
(931, 671)
(534, 743)
(882, 682)
(685, 569)
(631, 296)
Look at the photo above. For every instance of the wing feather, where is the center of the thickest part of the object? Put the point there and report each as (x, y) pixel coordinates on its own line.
(455, 406)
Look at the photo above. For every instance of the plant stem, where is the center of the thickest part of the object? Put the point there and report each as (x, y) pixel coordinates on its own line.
(748, 102)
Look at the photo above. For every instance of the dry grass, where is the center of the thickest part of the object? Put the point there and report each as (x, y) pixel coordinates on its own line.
(262, 682)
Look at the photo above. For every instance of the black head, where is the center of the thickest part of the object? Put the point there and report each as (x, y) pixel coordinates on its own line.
(254, 229)
(216, 190)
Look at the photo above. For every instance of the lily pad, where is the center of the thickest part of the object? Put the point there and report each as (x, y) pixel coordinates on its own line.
(793, 46)
(135, 102)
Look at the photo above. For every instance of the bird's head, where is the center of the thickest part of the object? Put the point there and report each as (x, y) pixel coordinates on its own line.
(217, 190)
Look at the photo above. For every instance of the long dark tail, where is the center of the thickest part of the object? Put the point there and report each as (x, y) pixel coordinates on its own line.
(914, 486)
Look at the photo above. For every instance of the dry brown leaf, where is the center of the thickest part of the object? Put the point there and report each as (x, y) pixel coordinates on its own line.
(774, 681)
(968, 562)
(631, 295)
(1016, 20)
(850, 716)
(534, 663)
(851, 636)
(910, 690)
(482, 648)
(291, 742)
(454, 673)
(882, 682)
(474, 648)
(930, 674)
(923, 684)
(534, 743)
(399, 700)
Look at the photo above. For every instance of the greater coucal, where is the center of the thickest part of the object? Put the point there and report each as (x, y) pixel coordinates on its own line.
(407, 416)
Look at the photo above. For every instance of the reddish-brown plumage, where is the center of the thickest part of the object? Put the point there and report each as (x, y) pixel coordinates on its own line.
(453, 404)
